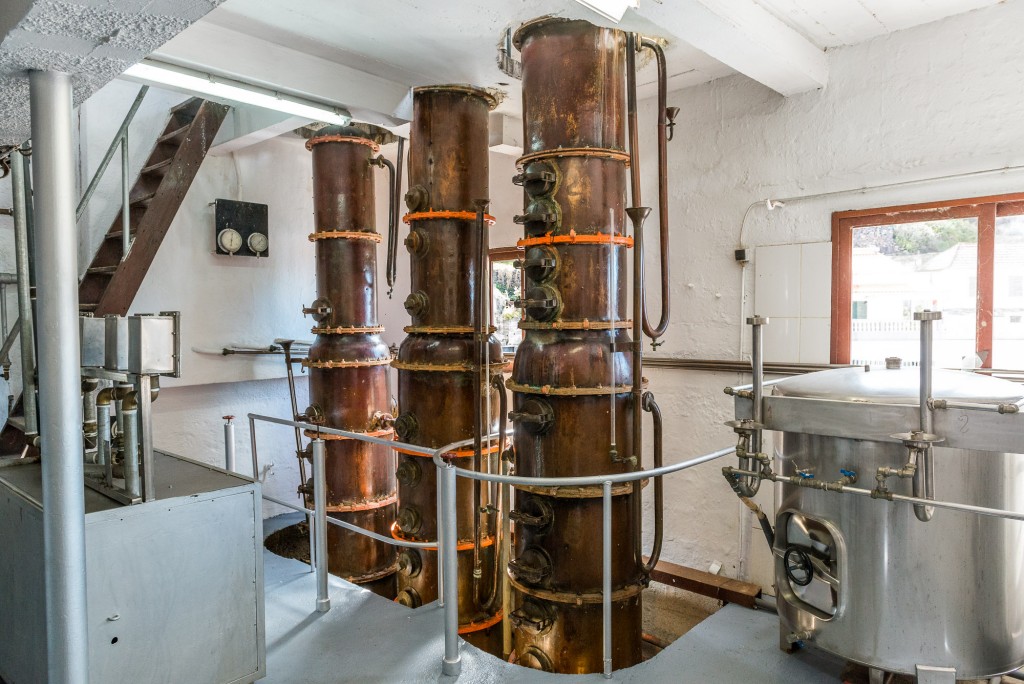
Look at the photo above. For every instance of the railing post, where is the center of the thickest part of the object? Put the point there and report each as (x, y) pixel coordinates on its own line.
(323, 600)
(606, 576)
(439, 534)
(452, 663)
(229, 443)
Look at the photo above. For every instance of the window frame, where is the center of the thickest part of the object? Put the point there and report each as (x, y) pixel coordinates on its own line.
(984, 209)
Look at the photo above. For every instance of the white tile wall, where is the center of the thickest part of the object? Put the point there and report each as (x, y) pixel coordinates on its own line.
(793, 287)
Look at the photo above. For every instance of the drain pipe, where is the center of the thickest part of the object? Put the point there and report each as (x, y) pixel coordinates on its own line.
(28, 335)
(60, 407)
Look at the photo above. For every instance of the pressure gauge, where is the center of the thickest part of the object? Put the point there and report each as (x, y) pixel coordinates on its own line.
(229, 240)
(258, 242)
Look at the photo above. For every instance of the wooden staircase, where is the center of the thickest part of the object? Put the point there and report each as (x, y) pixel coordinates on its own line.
(111, 283)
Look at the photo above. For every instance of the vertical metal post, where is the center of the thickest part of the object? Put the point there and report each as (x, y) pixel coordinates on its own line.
(28, 335)
(923, 484)
(130, 463)
(3, 304)
(606, 576)
(146, 437)
(440, 539)
(60, 408)
(452, 663)
(126, 223)
(323, 600)
(757, 367)
(103, 441)
(229, 444)
(252, 449)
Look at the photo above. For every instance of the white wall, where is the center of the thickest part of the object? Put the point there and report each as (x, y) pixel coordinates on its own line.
(933, 101)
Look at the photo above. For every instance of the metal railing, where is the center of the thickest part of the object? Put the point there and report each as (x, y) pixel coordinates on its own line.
(120, 140)
(447, 516)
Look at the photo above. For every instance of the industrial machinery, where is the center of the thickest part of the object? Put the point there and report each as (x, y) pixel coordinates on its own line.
(576, 381)
(447, 363)
(143, 508)
(347, 363)
(930, 584)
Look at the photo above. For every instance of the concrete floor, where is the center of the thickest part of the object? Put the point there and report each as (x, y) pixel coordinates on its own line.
(364, 638)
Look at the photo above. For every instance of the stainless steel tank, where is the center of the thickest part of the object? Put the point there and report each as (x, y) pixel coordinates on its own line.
(864, 578)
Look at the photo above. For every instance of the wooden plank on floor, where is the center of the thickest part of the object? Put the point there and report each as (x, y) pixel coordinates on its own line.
(706, 584)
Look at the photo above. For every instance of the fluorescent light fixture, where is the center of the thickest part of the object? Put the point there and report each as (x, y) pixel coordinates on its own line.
(612, 10)
(223, 88)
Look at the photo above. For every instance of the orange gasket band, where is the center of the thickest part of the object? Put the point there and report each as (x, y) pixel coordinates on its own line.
(321, 139)
(464, 545)
(575, 325)
(362, 505)
(465, 215)
(470, 627)
(342, 330)
(316, 434)
(306, 363)
(458, 453)
(344, 235)
(596, 152)
(573, 238)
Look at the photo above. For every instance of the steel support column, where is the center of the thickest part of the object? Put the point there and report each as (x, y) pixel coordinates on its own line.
(60, 408)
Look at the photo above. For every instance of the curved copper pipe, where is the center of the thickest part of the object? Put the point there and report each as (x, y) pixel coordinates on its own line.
(663, 125)
(393, 211)
(498, 383)
(649, 404)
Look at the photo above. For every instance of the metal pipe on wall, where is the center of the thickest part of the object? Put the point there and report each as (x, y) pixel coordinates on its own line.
(21, 256)
(60, 409)
(443, 370)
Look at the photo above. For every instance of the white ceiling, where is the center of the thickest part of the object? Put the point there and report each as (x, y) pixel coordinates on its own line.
(832, 23)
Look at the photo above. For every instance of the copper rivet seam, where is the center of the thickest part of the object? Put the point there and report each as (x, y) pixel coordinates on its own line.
(584, 492)
(573, 598)
(471, 627)
(574, 238)
(357, 506)
(321, 139)
(373, 576)
(316, 434)
(353, 330)
(443, 367)
(463, 545)
(444, 329)
(344, 235)
(431, 215)
(458, 453)
(558, 152)
(576, 325)
(567, 391)
(358, 363)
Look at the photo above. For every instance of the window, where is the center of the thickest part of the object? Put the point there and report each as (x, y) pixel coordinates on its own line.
(506, 288)
(963, 257)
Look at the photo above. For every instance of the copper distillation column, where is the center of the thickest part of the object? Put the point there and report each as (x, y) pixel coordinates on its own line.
(576, 382)
(448, 361)
(348, 361)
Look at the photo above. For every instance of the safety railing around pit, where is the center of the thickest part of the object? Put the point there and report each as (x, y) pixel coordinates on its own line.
(447, 516)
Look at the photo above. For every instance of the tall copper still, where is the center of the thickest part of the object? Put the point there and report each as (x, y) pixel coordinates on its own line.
(348, 361)
(446, 363)
(576, 381)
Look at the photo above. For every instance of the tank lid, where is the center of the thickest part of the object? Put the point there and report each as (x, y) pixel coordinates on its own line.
(899, 386)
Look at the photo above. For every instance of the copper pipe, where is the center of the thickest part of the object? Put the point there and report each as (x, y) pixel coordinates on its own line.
(480, 391)
(663, 125)
(649, 404)
(393, 211)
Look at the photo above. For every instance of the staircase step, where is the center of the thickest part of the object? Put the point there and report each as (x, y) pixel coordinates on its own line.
(116, 234)
(190, 106)
(86, 306)
(101, 270)
(175, 136)
(158, 169)
(143, 200)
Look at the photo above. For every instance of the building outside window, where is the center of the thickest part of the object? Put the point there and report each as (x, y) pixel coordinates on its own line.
(506, 288)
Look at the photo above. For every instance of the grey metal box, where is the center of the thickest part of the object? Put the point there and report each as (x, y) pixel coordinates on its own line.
(175, 586)
(92, 337)
(150, 344)
(116, 343)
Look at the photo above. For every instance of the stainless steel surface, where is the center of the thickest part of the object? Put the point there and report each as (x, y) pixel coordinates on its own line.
(451, 664)
(151, 344)
(888, 590)
(323, 600)
(109, 154)
(229, 444)
(130, 462)
(60, 408)
(92, 336)
(175, 588)
(144, 384)
(924, 477)
(103, 440)
(25, 315)
(116, 353)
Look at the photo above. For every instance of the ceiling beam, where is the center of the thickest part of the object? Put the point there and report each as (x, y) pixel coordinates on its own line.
(210, 48)
(743, 35)
(246, 125)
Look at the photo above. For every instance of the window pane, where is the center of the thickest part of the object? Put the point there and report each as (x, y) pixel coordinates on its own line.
(901, 269)
(507, 285)
(1008, 297)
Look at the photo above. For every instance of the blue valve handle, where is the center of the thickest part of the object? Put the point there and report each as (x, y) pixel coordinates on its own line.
(847, 473)
(805, 475)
